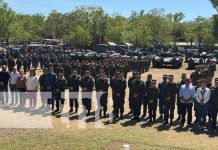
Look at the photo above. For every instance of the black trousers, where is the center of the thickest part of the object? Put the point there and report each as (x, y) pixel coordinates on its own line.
(169, 107)
(74, 101)
(145, 105)
(102, 101)
(87, 102)
(214, 112)
(179, 109)
(118, 104)
(137, 103)
(131, 100)
(186, 108)
(59, 100)
(152, 110)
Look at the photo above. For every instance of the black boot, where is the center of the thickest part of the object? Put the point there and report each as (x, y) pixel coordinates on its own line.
(105, 114)
(88, 114)
(179, 118)
(121, 116)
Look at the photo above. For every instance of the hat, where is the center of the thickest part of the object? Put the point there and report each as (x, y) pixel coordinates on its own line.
(150, 75)
(183, 74)
(170, 76)
(154, 80)
(165, 76)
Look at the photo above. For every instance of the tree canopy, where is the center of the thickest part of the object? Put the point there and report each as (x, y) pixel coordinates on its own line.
(86, 25)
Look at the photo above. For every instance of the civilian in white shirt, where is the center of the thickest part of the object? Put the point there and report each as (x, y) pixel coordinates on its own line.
(13, 85)
(202, 99)
(186, 95)
(32, 84)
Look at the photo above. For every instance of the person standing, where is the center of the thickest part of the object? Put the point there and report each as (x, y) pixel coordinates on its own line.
(120, 88)
(101, 86)
(130, 92)
(73, 84)
(214, 103)
(43, 93)
(202, 97)
(4, 80)
(21, 86)
(145, 100)
(50, 87)
(32, 84)
(138, 89)
(87, 85)
(169, 100)
(152, 101)
(161, 88)
(60, 92)
(186, 97)
(13, 86)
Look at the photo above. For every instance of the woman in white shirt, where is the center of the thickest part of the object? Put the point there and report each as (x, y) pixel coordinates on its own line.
(32, 83)
(202, 99)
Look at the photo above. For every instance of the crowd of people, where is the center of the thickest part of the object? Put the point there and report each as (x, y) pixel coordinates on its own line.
(194, 93)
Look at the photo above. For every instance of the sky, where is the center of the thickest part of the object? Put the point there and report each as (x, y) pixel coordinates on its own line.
(191, 8)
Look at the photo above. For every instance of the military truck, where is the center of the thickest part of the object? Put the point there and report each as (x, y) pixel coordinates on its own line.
(167, 59)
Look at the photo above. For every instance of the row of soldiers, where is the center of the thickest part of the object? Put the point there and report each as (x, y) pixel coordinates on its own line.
(142, 93)
(57, 61)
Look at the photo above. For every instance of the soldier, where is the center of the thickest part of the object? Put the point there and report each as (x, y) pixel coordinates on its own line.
(195, 76)
(87, 84)
(137, 86)
(214, 103)
(101, 86)
(73, 84)
(145, 101)
(119, 89)
(169, 100)
(161, 88)
(60, 92)
(179, 84)
(152, 101)
(4, 80)
(130, 92)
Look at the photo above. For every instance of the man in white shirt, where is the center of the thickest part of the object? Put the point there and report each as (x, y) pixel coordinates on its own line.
(186, 95)
(13, 85)
(202, 98)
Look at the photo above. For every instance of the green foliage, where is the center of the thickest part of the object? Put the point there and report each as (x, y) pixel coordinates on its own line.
(84, 26)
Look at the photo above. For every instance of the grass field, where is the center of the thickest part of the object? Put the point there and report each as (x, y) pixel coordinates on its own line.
(112, 136)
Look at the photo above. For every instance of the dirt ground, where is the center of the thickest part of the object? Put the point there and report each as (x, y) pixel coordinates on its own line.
(24, 129)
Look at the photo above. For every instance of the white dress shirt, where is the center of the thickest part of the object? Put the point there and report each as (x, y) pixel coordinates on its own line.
(32, 83)
(203, 94)
(187, 92)
(13, 77)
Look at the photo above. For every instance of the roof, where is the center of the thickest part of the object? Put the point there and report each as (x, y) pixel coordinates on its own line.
(129, 44)
(111, 43)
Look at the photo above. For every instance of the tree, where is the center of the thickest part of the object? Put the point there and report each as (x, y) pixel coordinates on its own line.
(215, 4)
(6, 20)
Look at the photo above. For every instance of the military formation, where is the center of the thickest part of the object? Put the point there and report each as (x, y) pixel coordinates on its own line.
(86, 76)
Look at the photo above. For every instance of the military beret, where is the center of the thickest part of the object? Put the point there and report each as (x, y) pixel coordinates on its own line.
(154, 80)
(149, 75)
(183, 74)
